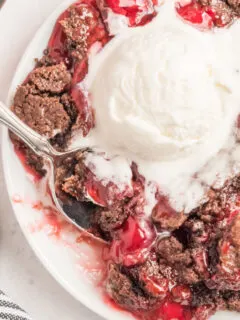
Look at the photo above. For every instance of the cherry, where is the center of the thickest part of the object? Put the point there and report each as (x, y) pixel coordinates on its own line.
(80, 71)
(138, 14)
(133, 242)
(181, 294)
(96, 191)
(158, 287)
(200, 258)
(205, 17)
(196, 14)
(192, 12)
(174, 311)
(104, 194)
(115, 6)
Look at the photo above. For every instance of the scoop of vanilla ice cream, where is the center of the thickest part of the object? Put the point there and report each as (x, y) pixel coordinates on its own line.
(156, 92)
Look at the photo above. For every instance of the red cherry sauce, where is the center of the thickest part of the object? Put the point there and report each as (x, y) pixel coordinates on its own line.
(171, 310)
(137, 14)
(133, 242)
(155, 286)
(57, 45)
(168, 310)
(87, 250)
(203, 16)
(57, 40)
(86, 114)
(181, 294)
(104, 194)
(22, 157)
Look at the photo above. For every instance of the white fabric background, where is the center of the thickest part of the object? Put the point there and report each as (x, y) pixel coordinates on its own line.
(21, 274)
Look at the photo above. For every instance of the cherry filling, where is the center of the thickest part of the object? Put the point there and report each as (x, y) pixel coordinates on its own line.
(23, 158)
(205, 16)
(80, 71)
(73, 50)
(138, 13)
(194, 13)
(59, 47)
(181, 294)
(171, 310)
(56, 47)
(155, 286)
(133, 242)
(105, 194)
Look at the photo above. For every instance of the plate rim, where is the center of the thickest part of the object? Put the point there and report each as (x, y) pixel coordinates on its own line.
(5, 142)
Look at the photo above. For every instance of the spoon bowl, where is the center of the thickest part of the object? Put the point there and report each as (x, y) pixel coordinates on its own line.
(77, 213)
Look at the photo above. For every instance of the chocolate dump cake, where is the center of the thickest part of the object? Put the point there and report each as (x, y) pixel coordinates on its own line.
(168, 264)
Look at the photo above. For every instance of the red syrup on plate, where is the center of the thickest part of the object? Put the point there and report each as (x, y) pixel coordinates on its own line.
(36, 177)
(50, 221)
(167, 310)
(58, 49)
(87, 251)
(203, 16)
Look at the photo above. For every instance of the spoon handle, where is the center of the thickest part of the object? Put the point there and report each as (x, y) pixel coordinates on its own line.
(35, 141)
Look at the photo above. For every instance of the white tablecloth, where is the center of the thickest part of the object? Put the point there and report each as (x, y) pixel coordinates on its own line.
(21, 274)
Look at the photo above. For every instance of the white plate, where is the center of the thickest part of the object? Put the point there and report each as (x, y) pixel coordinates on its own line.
(60, 260)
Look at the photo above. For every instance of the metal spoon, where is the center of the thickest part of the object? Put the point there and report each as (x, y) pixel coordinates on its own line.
(77, 213)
